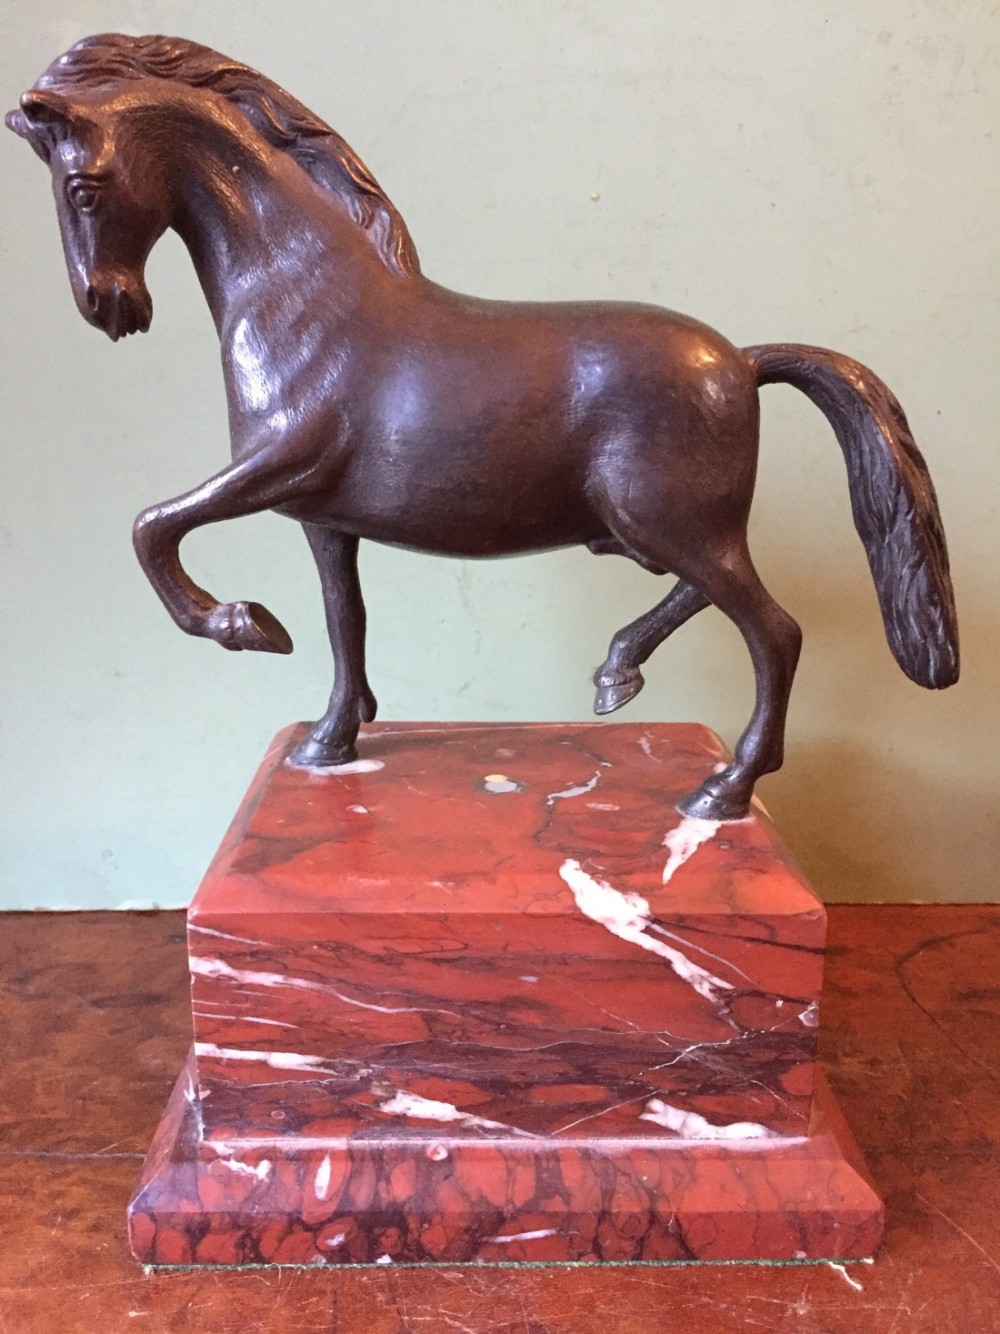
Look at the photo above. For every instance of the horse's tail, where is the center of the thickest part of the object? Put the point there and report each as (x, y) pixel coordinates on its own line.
(895, 508)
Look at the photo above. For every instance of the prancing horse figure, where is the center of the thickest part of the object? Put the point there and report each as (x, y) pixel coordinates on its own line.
(367, 401)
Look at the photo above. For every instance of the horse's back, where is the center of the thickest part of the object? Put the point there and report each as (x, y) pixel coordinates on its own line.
(483, 427)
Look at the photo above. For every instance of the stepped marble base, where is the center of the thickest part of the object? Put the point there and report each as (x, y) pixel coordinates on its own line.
(441, 1199)
(484, 995)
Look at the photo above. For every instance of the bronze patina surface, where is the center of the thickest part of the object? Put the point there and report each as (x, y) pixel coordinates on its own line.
(366, 401)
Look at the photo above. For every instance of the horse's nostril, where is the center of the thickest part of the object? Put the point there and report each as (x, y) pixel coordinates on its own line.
(92, 301)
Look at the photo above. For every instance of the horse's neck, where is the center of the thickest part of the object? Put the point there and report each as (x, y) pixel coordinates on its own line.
(251, 218)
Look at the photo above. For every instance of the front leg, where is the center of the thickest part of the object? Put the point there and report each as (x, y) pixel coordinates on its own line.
(260, 481)
(332, 740)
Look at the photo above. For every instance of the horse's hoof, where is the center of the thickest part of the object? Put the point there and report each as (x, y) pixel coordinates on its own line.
(248, 625)
(613, 694)
(709, 803)
(314, 753)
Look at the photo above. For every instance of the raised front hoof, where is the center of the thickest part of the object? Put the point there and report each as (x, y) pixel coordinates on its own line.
(315, 753)
(709, 802)
(613, 694)
(248, 625)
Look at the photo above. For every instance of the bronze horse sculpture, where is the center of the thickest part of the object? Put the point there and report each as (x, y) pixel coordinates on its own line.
(366, 401)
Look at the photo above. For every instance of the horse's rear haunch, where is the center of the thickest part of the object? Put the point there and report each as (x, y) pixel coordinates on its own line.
(269, 200)
(896, 515)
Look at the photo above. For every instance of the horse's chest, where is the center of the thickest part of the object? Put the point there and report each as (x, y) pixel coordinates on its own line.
(271, 375)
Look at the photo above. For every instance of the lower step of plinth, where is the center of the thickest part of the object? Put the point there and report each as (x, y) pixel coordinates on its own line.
(498, 1198)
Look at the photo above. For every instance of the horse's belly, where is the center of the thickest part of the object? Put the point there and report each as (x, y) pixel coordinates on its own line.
(479, 511)
(469, 539)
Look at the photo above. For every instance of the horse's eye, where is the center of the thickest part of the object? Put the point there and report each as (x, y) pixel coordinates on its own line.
(83, 196)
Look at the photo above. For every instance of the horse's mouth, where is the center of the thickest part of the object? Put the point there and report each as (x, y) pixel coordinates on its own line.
(128, 315)
(119, 313)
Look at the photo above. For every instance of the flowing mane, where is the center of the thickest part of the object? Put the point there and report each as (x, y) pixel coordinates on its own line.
(274, 114)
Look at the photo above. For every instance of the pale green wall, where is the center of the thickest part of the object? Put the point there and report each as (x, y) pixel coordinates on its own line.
(821, 172)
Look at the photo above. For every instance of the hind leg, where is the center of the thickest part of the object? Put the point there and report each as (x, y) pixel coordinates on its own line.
(619, 679)
(774, 641)
(723, 573)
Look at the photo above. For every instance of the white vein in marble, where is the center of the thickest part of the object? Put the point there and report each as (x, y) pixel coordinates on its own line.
(685, 840)
(218, 968)
(278, 1060)
(244, 1169)
(241, 1019)
(223, 935)
(536, 1235)
(690, 1125)
(428, 1109)
(629, 917)
(336, 770)
(321, 1182)
(577, 790)
(702, 949)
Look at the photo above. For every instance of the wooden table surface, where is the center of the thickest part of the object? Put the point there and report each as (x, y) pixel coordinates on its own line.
(94, 1026)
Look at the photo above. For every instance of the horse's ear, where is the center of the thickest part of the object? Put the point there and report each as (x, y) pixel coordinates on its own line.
(40, 106)
(14, 120)
(43, 119)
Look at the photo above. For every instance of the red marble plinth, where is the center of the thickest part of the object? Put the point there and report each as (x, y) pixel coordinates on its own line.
(496, 1198)
(487, 983)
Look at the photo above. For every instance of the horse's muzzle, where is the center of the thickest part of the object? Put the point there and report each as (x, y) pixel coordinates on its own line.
(118, 310)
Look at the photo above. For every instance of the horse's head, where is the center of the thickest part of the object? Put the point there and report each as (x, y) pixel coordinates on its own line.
(111, 200)
(125, 124)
